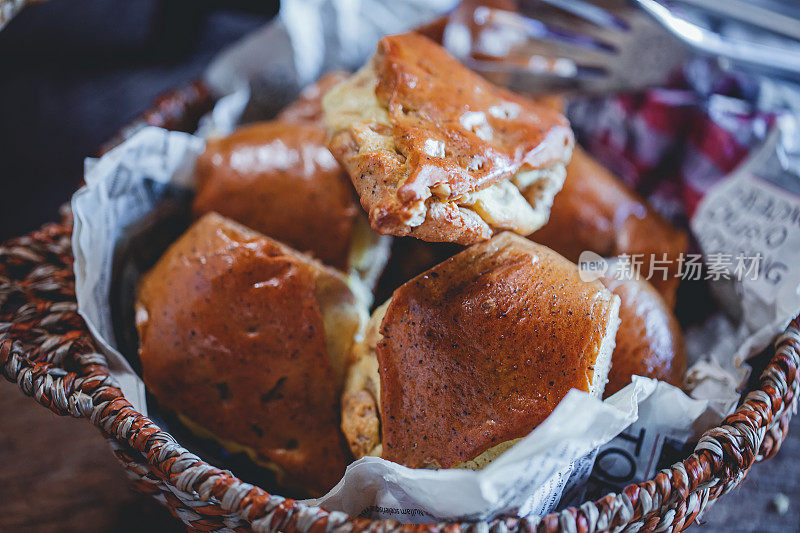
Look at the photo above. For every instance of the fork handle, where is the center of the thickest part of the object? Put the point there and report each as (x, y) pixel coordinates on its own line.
(751, 14)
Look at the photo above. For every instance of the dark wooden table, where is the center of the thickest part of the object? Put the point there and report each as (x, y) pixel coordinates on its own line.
(68, 81)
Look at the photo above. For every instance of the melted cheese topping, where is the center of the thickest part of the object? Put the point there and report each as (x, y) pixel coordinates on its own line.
(520, 204)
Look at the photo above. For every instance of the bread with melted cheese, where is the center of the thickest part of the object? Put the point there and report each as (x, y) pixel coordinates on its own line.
(439, 153)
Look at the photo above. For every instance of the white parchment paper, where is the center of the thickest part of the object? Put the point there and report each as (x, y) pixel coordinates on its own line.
(669, 422)
(311, 37)
(526, 480)
(121, 188)
(755, 213)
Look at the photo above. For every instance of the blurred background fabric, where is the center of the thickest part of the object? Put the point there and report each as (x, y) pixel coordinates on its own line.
(72, 72)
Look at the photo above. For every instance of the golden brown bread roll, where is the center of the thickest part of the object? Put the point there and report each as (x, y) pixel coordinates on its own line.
(280, 179)
(595, 211)
(247, 340)
(649, 339)
(475, 353)
(437, 152)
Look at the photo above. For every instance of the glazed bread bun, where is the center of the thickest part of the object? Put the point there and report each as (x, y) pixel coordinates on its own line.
(475, 353)
(437, 152)
(279, 179)
(649, 339)
(248, 341)
(595, 211)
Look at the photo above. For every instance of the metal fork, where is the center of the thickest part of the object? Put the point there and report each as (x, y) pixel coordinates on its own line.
(541, 46)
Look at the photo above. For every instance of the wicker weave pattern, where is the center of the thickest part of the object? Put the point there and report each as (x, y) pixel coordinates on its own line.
(46, 349)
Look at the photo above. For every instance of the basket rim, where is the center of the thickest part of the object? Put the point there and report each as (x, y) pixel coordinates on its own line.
(47, 349)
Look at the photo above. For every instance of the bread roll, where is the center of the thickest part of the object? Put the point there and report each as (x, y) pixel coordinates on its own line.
(438, 153)
(649, 339)
(595, 211)
(247, 341)
(475, 353)
(280, 179)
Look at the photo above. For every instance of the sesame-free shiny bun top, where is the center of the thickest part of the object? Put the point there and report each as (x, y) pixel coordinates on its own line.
(474, 353)
(247, 341)
(649, 339)
(596, 211)
(279, 178)
(437, 152)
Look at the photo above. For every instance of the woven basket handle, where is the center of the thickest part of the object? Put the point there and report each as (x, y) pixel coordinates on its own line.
(60, 391)
(45, 346)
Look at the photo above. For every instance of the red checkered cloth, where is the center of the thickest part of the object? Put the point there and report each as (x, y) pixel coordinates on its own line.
(671, 144)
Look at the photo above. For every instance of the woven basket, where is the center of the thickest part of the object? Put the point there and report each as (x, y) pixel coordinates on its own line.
(46, 349)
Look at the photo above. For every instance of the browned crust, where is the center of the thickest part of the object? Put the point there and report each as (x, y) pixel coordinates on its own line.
(649, 340)
(410, 258)
(280, 180)
(233, 339)
(425, 93)
(595, 211)
(481, 348)
(372, 178)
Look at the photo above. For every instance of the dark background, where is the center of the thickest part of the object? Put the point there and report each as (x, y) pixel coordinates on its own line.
(72, 72)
